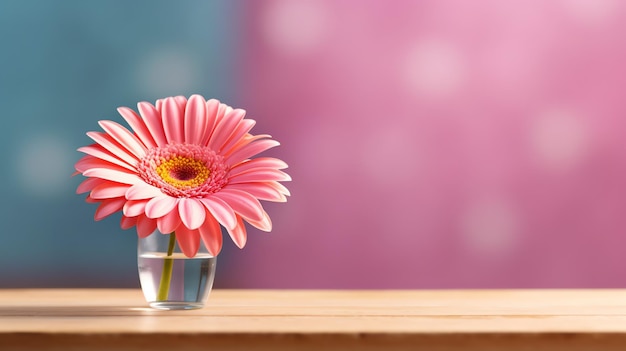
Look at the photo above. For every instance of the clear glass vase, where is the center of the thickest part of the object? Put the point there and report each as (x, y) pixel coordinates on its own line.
(169, 279)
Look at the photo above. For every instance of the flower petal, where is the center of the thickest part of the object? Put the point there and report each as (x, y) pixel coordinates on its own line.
(245, 140)
(262, 175)
(89, 200)
(88, 185)
(211, 234)
(152, 119)
(107, 142)
(238, 234)
(279, 187)
(260, 190)
(225, 128)
(160, 206)
(264, 224)
(173, 122)
(192, 212)
(109, 190)
(128, 222)
(88, 161)
(113, 175)
(124, 138)
(240, 131)
(220, 210)
(181, 101)
(195, 119)
(250, 150)
(169, 223)
(258, 163)
(101, 153)
(145, 226)
(142, 191)
(212, 109)
(138, 126)
(222, 110)
(242, 203)
(109, 207)
(188, 240)
(134, 208)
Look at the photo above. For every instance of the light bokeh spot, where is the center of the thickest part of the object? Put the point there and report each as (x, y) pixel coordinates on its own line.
(591, 12)
(559, 138)
(490, 227)
(295, 27)
(434, 68)
(43, 166)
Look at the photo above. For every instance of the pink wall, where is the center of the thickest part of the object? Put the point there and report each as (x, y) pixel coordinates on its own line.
(440, 143)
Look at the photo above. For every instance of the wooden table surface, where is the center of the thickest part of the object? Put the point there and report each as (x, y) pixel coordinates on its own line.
(101, 319)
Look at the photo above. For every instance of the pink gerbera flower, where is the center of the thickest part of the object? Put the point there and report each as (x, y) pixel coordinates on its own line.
(186, 167)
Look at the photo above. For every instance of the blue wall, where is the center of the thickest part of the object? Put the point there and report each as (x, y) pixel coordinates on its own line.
(64, 65)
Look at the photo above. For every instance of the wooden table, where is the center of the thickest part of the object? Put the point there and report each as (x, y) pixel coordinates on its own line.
(52, 319)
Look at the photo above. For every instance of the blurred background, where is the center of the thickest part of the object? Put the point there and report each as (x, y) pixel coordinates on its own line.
(432, 143)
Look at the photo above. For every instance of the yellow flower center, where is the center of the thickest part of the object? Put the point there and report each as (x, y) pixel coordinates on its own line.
(183, 172)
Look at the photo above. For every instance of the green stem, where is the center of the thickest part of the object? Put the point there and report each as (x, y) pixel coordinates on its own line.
(166, 274)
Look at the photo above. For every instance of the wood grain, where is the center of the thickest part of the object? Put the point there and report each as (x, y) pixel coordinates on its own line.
(101, 319)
